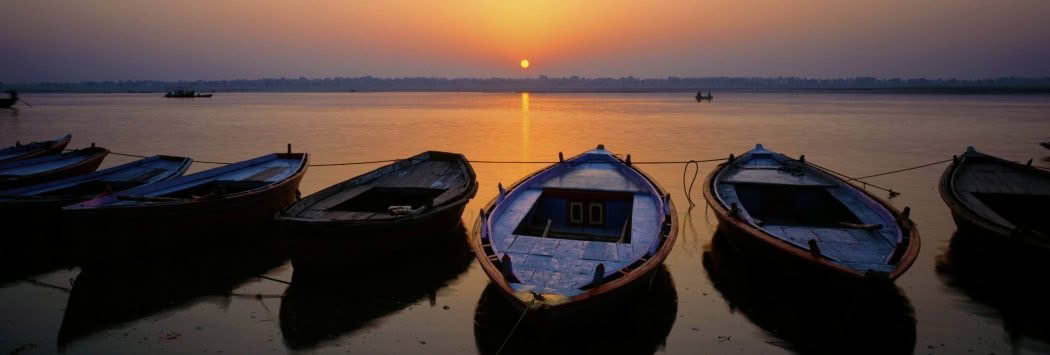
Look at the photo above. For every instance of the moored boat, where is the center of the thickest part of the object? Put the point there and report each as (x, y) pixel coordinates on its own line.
(183, 93)
(577, 237)
(34, 149)
(997, 200)
(236, 197)
(15, 173)
(380, 212)
(800, 214)
(45, 200)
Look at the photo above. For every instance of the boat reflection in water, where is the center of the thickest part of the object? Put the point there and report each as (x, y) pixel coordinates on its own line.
(320, 307)
(812, 316)
(108, 297)
(637, 328)
(1005, 279)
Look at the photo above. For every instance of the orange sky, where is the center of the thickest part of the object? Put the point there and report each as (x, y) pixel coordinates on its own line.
(52, 40)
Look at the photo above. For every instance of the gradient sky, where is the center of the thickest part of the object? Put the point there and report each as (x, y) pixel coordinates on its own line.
(55, 40)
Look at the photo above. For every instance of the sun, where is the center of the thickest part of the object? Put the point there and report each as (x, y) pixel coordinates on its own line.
(524, 63)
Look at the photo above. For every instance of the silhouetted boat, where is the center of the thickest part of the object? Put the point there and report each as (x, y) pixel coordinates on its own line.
(700, 96)
(182, 93)
(997, 200)
(15, 173)
(380, 212)
(235, 197)
(1045, 145)
(641, 328)
(11, 100)
(323, 306)
(34, 149)
(44, 201)
(811, 315)
(576, 238)
(769, 202)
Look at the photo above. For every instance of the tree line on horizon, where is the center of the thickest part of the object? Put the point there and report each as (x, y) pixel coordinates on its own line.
(543, 83)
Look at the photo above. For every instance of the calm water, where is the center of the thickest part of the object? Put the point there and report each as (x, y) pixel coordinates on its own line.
(217, 305)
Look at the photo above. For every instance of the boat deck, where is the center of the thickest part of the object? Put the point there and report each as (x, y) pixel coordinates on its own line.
(856, 248)
(446, 179)
(563, 266)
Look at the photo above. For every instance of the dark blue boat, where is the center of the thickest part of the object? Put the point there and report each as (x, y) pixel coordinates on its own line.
(45, 200)
(25, 172)
(34, 149)
(570, 240)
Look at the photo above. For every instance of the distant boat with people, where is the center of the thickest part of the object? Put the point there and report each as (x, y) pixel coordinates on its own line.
(182, 93)
(700, 96)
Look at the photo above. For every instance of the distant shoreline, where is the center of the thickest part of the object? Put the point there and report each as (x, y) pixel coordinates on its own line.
(915, 91)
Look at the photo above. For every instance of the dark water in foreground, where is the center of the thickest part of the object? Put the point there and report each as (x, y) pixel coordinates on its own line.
(705, 300)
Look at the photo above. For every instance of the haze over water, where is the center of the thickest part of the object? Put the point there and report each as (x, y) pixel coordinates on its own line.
(857, 134)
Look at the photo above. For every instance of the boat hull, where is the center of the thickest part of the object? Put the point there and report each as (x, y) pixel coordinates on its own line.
(339, 245)
(50, 147)
(85, 166)
(140, 231)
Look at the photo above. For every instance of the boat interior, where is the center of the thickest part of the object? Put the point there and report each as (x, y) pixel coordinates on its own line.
(399, 189)
(1004, 194)
(796, 204)
(576, 225)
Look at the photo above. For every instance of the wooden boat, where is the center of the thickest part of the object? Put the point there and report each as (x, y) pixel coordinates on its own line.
(45, 200)
(997, 200)
(805, 216)
(34, 149)
(185, 94)
(382, 211)
(46, 168)
(232, 197)
(577, 237)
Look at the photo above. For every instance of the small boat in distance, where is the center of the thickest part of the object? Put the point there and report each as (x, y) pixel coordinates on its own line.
(44, 201)
(700, 96)
(389, 209)
(15, 173)
(796, 212)
(994, 200)
(576, 239)
(184, 93)
(34, 149)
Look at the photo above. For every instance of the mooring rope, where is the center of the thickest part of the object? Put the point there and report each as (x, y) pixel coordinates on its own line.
(689, 190)
(512, 330)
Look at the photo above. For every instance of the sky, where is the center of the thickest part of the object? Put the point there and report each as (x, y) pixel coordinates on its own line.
(69, 40)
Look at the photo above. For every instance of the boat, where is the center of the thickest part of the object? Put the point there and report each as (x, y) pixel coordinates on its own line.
(1045, 144)
(577, 238)
(998, 201)
(44, 201)
(16, 173)
(183, 93)
(34, 149)
(800, 214)
(380, 212)
(241, 197)
(700, 96)
(11, 99)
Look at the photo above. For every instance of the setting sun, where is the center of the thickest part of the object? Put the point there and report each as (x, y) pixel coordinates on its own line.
(524, 63)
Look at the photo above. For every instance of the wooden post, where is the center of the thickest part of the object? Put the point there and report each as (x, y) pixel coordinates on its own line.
(802, 158)
(907, 212)
(599, 275)
(561, 158)
(289, 148)
(628, 160)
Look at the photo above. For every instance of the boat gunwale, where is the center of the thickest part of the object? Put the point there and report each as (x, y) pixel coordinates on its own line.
(300, 171)
(93, 156)
(461, 198)
(905, 262)
(657, 259)
(52, 146)
(949, 194)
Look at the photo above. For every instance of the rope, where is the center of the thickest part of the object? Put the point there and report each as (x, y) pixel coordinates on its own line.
(905, 169)
(866, 184)
(274, 280)
(511, 334)
(689, 190)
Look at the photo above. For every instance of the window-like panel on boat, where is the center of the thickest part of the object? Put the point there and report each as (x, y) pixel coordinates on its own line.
(580, 215)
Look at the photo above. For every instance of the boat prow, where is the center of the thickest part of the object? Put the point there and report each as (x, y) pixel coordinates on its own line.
(34, 149)
(575, 236)
(806, 216)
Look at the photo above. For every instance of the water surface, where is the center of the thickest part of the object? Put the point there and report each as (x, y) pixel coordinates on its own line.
(218, 305)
